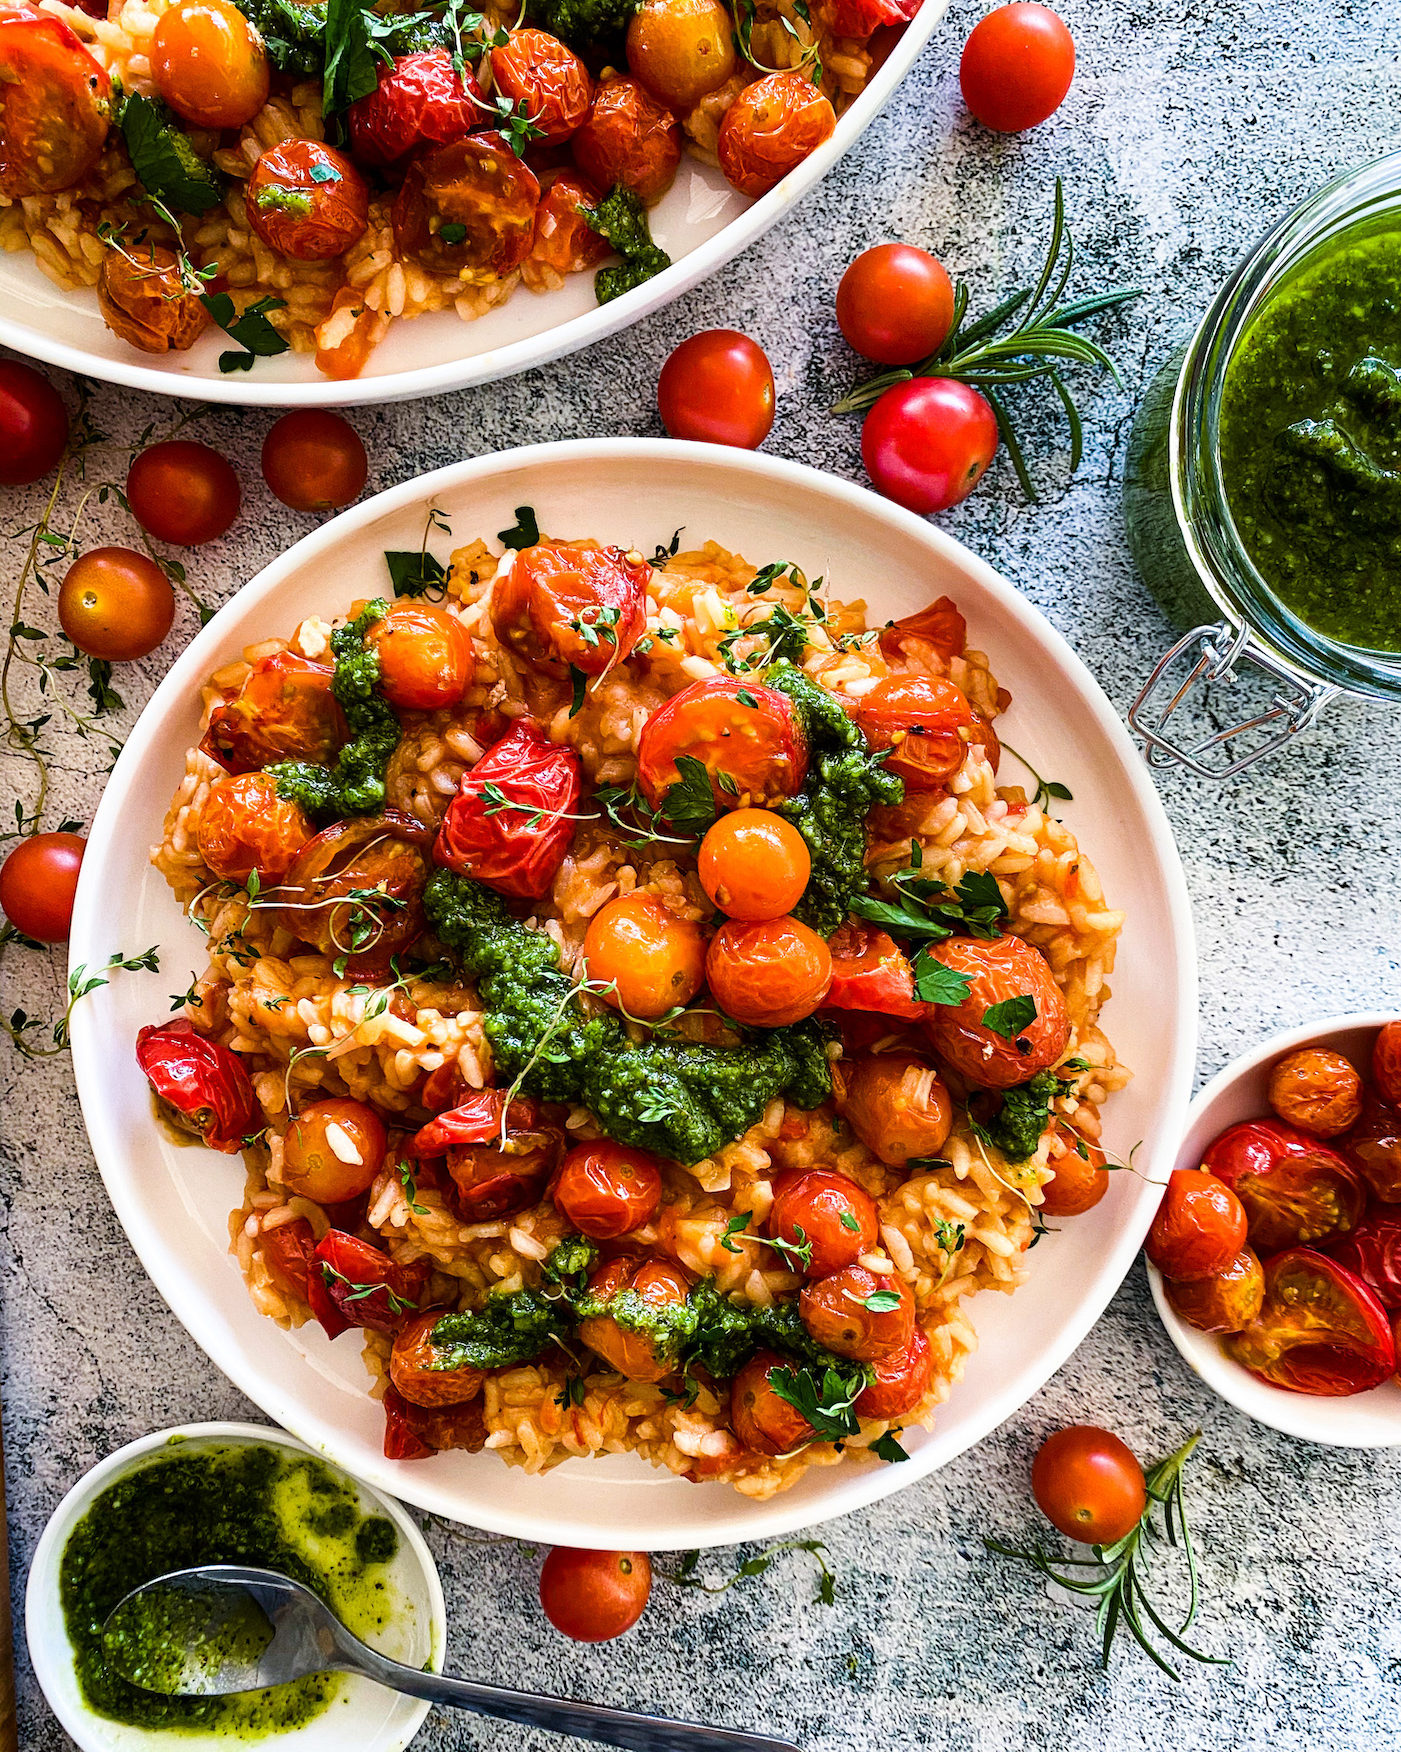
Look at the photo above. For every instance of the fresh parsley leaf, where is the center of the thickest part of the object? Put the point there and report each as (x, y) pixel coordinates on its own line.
(937, 984)
(1011, 1016)
(902, 917)
(690, 803)
(526, 532)
(164, 158)
(414, 573)
(887, 1448)
(826, 1402)
(253, 332)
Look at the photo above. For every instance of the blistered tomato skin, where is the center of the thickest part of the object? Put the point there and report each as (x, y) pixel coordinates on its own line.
(201, 1086)
(628, 138)
(1374, 1146)
(1081, 1177)
(656, 1281)
(681, 49)
(925, 721)
(425, 656)
(326, 898)
(413, 1367)
(363, 1285)
(144, 300)
(761, 1418)
(1295, 1189)
(208, 65)
(1199, 1227)
(901, 1381)
(506, 847)
(1373, 1252)
(999, 970)
(770, 128)
(767, 973)
(871, 972)
(606, 1190)
(55, 105)
(467, 209)
(648, 958)
(896, 1104)
(753, 864)
(307, 201)
(245, 826)
(860, 1314)
(564, 241)
(586, 604)
(285, 710)
(1386, 1063)
(1224, 1302)
(492, 1178)
(748, 738)
(1320, 1330)
(420, 101)
(1316, 1090)
(826, 1212)
(546, 81)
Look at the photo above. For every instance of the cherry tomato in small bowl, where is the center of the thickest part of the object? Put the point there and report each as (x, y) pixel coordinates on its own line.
(1316, 1090)
(927, 443)
(1374, 1147)
(593, 1596)
(1198, 1229)
(1088, 1485)
(681, 49)
(1320, 1331)
(33, 424)
(1017, 66)
(1295, 1189)
(182, 492)
(38, 880)
(115, 603)
(895, 304)
(717, 388)
(1373, 1252)
(1224, 1302)
(1386, 1063)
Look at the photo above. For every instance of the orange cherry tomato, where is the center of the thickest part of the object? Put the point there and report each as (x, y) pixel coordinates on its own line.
(1295, 1188)
(333, 1150)
(628, 138)
(1082, 1179)
(1199, 1227)
(896, 1104)
(996, 971)
(416, 1367)
(116, 604)
(681, 49)
(593, 1596)
(766, 973)
(208, 65)
(348, 335)
(895, 304)
(245, 826)
(1088, 1485)
(859, 1313)
(1319, 1331)
(1374, 1146)
(307, 201)
(182, 492)
(926, 721)
(900, 1381)
(426, 659)
(659, 1283)
(1017, 66)
(761, 1418)
(606, 1190)
(753, 864)
(285, 710)
(585, 603)
(770, 129)
(467, 209)
(1224, 1302)
(718, 389)
(55, 105)
(564, 241)
(1386, 1058)
(145, 300)
(651, 957)
(1317, 1090)
(314, 460)
(747, 737)
(545, 80)
(38, 881)
(826, 1214)
(33, 422)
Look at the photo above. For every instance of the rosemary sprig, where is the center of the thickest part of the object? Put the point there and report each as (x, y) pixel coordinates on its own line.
(1037, 345)
(1122, 1587)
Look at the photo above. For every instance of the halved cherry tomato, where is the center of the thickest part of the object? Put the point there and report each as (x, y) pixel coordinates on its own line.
(1374, 1146)
(717, 388)
(38, 881)
(285, 710)
(927, 722)
(895, 304)
(348, 334)
(332, 1150)
(287, 1253)
(208, 64)
(417, 1432)
(1199, 1227)
(753, 864)
(245, 826)
(362, 1285)
(770, 128)
(825, 1212)
(1081, 1176)
(1373, 1252)
(766, 973)
(927, 443)
(416, 1367)
(1088, 1484)
(606, 1190)
(747, 737)
(859, 1313)
(426, 660)
(467, 209)
(33, 421)
(116, 603)
(1294, 1188)
(586, 604)
(760, 1416)
(200, 1085)
(896, 1104)
(1017, 66)
(870, 972)
(1386, 1061)
(939, 629)
(899, 1381)
(659, 1283)
(1316, 1090)
(420, 101)
(499, 1156)
(650, 957)
(545, 80)
(55, 105)
(356, 890)
(307, 201)
(564, 241)
(1224, 1302)
(511, 821)
(1320, 1331)
(996, 971)
(593, 1596)
(629, 138)
(145, 299)
(182, 492)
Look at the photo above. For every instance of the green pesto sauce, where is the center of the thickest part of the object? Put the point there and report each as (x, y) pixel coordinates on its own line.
(1310, 440)
(236, 1504)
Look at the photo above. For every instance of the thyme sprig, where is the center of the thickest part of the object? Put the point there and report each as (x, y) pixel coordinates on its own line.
(686, 1576)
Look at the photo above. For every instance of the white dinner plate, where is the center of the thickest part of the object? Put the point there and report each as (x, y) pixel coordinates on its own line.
(174, 1202)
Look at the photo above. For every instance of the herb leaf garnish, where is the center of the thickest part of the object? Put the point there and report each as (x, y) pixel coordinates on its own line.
(164, 158)
(1011, 1016)
(937, 984)
(690, 803)
(524, 533)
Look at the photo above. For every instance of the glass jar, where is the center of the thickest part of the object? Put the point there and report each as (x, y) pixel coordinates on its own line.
(1185, 541)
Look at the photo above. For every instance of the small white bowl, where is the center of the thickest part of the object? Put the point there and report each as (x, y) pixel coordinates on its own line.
(363, 1717)
(1365, 1420)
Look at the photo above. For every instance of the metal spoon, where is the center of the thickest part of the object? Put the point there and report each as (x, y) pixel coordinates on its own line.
(222, 1628)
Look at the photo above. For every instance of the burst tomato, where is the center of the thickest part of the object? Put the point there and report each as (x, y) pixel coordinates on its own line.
(356, 891)
(1320, 1330)
(858, 18)
(895, 304)
(307, 201)
(208, 64)
(927, 722)
(859, 1313)
(38, 881)
(467, 209)
(766, 973)
(1317, 1091)
(770, 128)
(425, 656)
(996, 971)
(661, 1285)
(33, 423)
(245, 826)
(116, 604)
(896, 1104)
(1374, 1146)
(652, 958)
(285, 710)
(753, 864)
(182, 492)
(717, 388)
(348, 335)
(1199, 1227)
(146, 300)
(593, 1596)
(416, 1367)
(747, 737)
(927, 443)
(871, 972)
(681, 49)
(564, 241)
(416, 1432)
(332, 1150)
(1373, 1252)
(1081, 1176)
(355, 1284)
(545, 80)
(200, 1086)
(511, 821)
(420, 101)
(761, 1418)
(899, 1382)
(499, 1155)
(629, 138)
(1294, 1188)
(586, 604)
(1386, 1057)
(1017, 66)
(606, 1190)
(287, 1253)
(55, 105)
(938, 630)
(1088, 1485)
(1224, 1302)
(825, 1212)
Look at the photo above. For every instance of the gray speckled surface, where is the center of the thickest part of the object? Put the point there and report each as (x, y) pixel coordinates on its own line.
(1189, 129)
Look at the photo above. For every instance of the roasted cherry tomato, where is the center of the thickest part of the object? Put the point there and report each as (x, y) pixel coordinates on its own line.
(420, 101)
(996, 971)
(356, 890)
(927, 443)
(333, 1150)
(1320, 1330)
(285, 710)
(307, 201)
(606, 1190)
(417, 1367)
(770, 129)
(515, 846)
(33, 422)
(38, 881)
(748, 738)
(1199, 1227)
(416, 1432)
(355, 1284)
(55, 105)
(593, 1596)
(545, 80)
(895, 304)
(629, 138)
(870, 972)
(1373, 1252)
(1224, 1302)
(1317, 1091)
(766, 973)
(587, 605)
(443, 1088)
(564, 241)
(287, 1253)
(717, 388)
(1374, 1146)
(896, 1104)
(1081, 1176)
(1386, 1056)
(681, 49)
(467, 209)
(426, 660)
(1294, 1188)
(313, 460)
(927, 722)
(859, 18)
(1017, 66)
(208, 64)
(650, 957)
(761, 1417)
(144, 299)
(115, 603)
(753, 864)
(182, 492)
(938, 630)
(900, 1381)
(826, 1214)
(200, 1086)
(499, 1155)
(348, 335)
(859, 1313)
(660, 1284)
(245, 826)
(1088, 1485)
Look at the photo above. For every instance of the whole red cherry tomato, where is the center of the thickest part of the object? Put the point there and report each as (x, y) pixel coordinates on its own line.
(761, 1417)
(307, 201)
(209, 64)
(417, 1366)
(545, 80)
(1017, 66)
(1320, 1330)
(629, 138)
(116, 603)
(859, 1313)
(564, 241)
(925, 721)
(650, 957)
(467, 209)
(499, 1154)
(824, 1214)
(718, 388)
(38, 881)
(374, 869)
(1374, 1146)
(1088, 1485)
(416, 1432)
(1373, 1252)
(896, 1104)
(766, 973)
(770, 128)
(182, 492)
(55, 106)
(1386, 1059)
(1224, 1302)
(363, 1286)
(1294, 1188)
(870, 972)
(606, 1190)
(927, 443)
(748, 738)
(1198, 1229)
(33, 421)
(593, 1596)
(586, 604)
(246, 826)
(895, 304)
(899, 1382)
(285, 710)
(201, 1086)
(313, 460)
(997, 971)
(425, 656)
(420, 101)
(515, 847)
(659, 1283)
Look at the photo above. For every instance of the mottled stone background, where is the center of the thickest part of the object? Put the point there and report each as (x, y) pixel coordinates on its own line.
(1189, 129)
